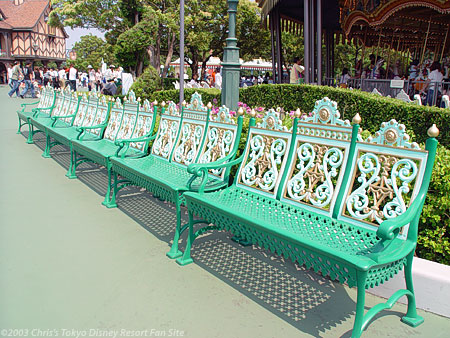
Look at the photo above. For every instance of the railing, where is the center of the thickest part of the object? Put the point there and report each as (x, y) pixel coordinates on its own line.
(393, 87)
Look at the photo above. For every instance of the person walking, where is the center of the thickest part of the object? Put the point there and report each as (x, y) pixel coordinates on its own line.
(98, 80)
(73, 77)
(297, 70)
(37, 75)
(28, 79)
(91, 78)
(16, 77)
(62, 78)
(10, 70)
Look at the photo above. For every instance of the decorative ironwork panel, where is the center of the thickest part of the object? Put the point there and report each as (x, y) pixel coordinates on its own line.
(127, 126)
(393, 134)
(382, 186)
(81, 113)
(114, 123)
(314, 172)
(272, 121)
(189, 142)
(167, 134)
(326, 112)
(264, 160)
(100, 117)
(143, 126)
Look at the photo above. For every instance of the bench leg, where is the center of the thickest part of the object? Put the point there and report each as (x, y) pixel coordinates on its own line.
(46, 153)
(71, 173)
(186, 258)
(174, 252)
(30, 133)
(20, 126)
(110, 199)
(358, 326)
(411, 318)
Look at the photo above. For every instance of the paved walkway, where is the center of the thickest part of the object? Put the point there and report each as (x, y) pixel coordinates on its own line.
(68, 263)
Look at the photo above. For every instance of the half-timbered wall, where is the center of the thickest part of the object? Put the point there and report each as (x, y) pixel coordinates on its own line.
(43, 42)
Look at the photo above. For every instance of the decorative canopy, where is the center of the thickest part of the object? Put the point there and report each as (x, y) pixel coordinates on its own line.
(397, 22)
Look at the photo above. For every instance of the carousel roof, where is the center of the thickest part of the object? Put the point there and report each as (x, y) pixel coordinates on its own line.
(400, 24)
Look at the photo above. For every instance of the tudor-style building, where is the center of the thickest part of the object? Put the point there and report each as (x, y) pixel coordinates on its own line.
(25, 34)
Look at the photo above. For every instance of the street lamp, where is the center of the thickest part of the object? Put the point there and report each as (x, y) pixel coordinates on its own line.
(231, 66)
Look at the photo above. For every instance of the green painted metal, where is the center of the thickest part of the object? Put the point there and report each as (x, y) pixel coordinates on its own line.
(45, 105)
(230, 64)
(183, 138)
(352, 251)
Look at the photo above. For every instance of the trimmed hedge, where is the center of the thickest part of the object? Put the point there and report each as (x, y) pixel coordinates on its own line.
(434, 230)
(373, 109)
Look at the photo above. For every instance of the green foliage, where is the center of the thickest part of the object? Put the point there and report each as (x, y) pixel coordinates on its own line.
(434, 228)
(168, 83)
(52, 64)
(148, 83)
(373, 109)
(90, 51)
(208, 95)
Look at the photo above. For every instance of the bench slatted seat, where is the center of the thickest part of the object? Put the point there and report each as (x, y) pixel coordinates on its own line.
(45, 105)
(326, 199)
(182, 138)
(126, 120)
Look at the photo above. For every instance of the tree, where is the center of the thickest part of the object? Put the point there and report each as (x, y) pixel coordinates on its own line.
(91, 50)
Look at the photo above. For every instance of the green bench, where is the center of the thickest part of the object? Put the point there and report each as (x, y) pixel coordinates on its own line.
(88, 115)
(128, 121)
(325, 198)
(190, 136)
(45, 105)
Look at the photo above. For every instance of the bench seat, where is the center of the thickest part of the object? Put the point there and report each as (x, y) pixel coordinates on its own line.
(322, 196)
(158, 175)
(333, 247)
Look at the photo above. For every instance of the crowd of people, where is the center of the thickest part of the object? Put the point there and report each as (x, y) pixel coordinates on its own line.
(30, 79)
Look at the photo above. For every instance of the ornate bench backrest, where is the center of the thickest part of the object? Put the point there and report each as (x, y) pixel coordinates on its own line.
(71, 107)
(265, 156)
(83, 107)
(222, 136)
(386, 176)
(59, 102)
(97, 115)
(130, 111)
(169, 126)
(144, 125)
(192, 132)
(115, 120)
(316, 167)
(47, 97)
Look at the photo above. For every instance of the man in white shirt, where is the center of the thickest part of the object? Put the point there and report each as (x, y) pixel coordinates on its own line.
(434, 78)
(109, 73)
(62, 78)
(10, 71)
(73, 77)
(218, 82)
(296, 71)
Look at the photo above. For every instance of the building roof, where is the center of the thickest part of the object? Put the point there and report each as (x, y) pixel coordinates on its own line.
(24, 16)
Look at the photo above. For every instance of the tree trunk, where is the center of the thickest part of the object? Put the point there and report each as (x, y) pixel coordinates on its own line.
(204, 61)
(151, 51)
(169, 53)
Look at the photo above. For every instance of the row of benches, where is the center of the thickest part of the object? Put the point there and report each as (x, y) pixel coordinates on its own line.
(318, 194)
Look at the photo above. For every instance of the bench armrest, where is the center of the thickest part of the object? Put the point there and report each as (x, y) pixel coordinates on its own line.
(389, 229)
(81, 130)
(56, 117)
(36, 111)
(23, 105)
(125, 143)
(202, 169)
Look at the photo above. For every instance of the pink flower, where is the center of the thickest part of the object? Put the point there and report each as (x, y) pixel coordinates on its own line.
(260, 116)
(232, 113)
(260, 109)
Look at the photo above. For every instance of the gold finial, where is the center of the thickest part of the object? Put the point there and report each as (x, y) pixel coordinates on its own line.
(163, 104)
(298, 113)
(253, 113)
(155, 103)
(209, 105)
(184, 103)
(240, 111)
(356, 119)
(433, 131)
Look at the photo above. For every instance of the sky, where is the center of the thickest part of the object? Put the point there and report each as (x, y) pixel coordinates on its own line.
(75, 34)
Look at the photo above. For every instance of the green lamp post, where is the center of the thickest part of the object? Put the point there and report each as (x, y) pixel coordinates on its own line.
(231, 66)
